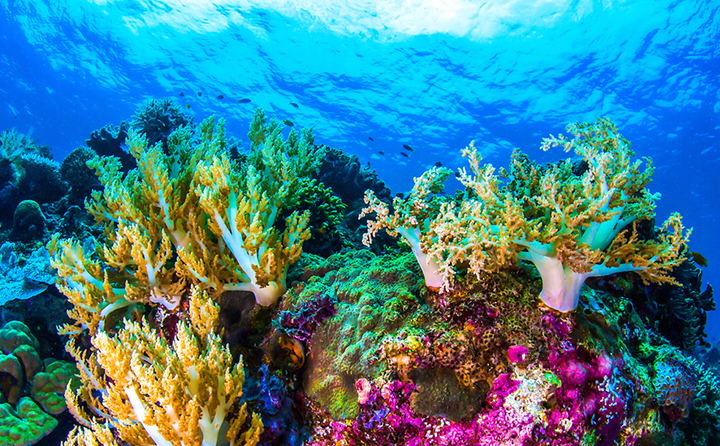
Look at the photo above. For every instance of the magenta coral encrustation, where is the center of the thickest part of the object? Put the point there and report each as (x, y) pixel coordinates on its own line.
(517, 354)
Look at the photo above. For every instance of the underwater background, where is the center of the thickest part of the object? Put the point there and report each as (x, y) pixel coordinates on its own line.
(433, 75)
(403, 85)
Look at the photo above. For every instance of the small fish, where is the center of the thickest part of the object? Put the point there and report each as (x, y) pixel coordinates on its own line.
(244, 100)
(288, 122)
(407, 147)
(699, 259)
(294, 105)
(370, 138)
(187, 105)
(404, 154)
(199, 93)
(182, 94)
(220, 96)
(457, 174)
(284, 351)
(381, 152)
(438, 164)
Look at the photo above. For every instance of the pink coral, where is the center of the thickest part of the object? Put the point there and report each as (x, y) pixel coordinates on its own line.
(593, 394)
(517, 354)
(363, 388)
(503, 386)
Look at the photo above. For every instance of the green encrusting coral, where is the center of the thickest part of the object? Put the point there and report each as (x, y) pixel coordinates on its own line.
(376, 297)
(455, 348)
(31, 388)
(386, 321)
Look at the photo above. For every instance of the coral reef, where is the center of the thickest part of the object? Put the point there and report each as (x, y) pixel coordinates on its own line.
(327, 212)
(411, 219)
(506, 320)
(680, 312)
(484, 365)
(375, 296)
(13, 144)
(349, 181)
(344, 175)
(40, 179)
(189, 218)
(700, 427)
(569, 226)
(27, 172)
(158, 212)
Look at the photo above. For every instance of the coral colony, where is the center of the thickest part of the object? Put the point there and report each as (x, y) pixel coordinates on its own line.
(516, 311)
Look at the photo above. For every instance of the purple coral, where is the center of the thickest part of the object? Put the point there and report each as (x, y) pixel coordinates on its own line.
(272, 400)
(593, 394)
(503, 386)
(301, 323)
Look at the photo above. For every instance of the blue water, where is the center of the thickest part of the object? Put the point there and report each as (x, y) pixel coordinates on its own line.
(504, 73)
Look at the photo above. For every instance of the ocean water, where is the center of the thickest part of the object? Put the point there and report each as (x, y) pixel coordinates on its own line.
(433, 75)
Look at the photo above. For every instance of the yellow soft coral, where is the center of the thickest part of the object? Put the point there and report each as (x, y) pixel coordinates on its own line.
(571, 223)
(169, 223)
(255, 255)
(151, 391)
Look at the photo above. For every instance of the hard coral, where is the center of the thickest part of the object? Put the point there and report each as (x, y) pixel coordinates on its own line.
(28, 221)
(25, 425)
(76, 173)
(675, 385)
(40, 179)
(158, 118)
(23, 281)
(22, 421)
(48, 386)
(108, 141)
(375, 298)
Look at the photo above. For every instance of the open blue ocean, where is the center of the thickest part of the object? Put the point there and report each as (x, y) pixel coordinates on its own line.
(403, 85)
